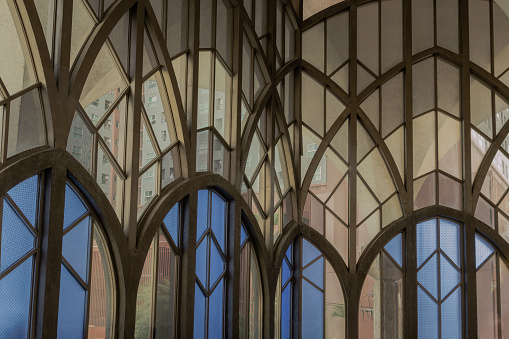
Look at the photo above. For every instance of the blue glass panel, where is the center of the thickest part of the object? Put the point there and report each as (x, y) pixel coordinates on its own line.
(289, 254)
(426, 240)
(24, 196)
(17, 239)
(216, 264)
(314, 272)
(15, 293)
(312, 311)
(71, 307)
(482, 250)
(171, 221)
(395, 249)
(450, 240)
(309, 252)
(427, 311)
(243, 235)
(203, 213)
(449, 276)
(286, 309)
(427, 276)
(75, 248)
(216, 312)
(201, 262)
(199, 313)
(451, 316)
(73, 208)
(218, 218)
(286, 272)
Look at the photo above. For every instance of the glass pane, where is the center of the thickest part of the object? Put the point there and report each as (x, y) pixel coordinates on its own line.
(73, 208)
(374, 171)
(371, 106)
(216, 316)
(15, 297)
(447, 24)
(479, 31)
(168, 173)
(222, 101)
(337, 41)
(450, 240)
(449, 145)
(366, 203)
(500, 40)
(479, 146)
(504, 295)
(481, 106)
(424, 191)
(451, 316)
(367, 231)
(156, 105)
(335, 311)
(216, 265)
(486, 282)
(422, 25)
(309, 252)
(113, 131)
(392, 307)
(147, 187)
(427, 276)
(396, 145)
(391, 210)
(110, 182)
(338, 201)
(367, 35)
(144, 296)
(79, 142)
(313, 100)
(395, 249)
(172, 223)
(71, 307)
(313, 46)
(485, 212)
(201, 261)
(314, 272)
(427, 315)
(337, 234)
(448, 82)
(449, 277)
(25, 196)
(199, 313)
(424, 144)
(450, 192)
(370, 306)
(202, 152)
(423, 83)
(312, 311)
(392, 104)
(255, 300)
(482, 250)
(426, 239)
(364, 142)
(392, 33)
(220, 157)
(76, 248)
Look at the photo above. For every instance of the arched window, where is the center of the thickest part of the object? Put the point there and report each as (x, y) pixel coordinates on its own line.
(87, 285)
(19, 257)
(158, 287)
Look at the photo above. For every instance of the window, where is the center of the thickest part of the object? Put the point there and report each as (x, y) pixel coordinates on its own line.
(107, 140)
(105, 178)
(318, 174)
(152, 84)
(77, 152)
(149, 156)
(219, 124)
(107, 104)
(211, 259)
(94, 118)
(107, 124)
(78, 132)
(219, 104)
(163, 117)
(203, 147)
(163, 135)
(149, 176)
(148, 195)
(105, 160)
(152, 101)
(95, 103)
(202, 166)
(153, 119)
(312, 150)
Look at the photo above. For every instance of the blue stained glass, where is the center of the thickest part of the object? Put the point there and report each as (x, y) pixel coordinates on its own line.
(201, 262)
(426, 240)
(309, 252)
(289, 254)
(216, 264)
(427, 311)
(24, 196)
(427, 276)
(312, 311)
(199, 313)
(482, 250)
(286, 272)
(449, 276)
(218, 218)
(76, 248)
(314, 272)
(216, 312)
(203, 213)
(171, 221)
(17, 239)
(451, 316)
(71, 307)
(286, 308)
(73, 208)
(15, 294)
(243, 235)
(395, 249)
(450, 240)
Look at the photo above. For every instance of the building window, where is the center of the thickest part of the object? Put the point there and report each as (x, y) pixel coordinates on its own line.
(312, 150)
(94, 118)
(202, 166)
(318, 174)
(148, 195)
(105, 178)
(96, 103)
(163, 135)
(153, 119)
(152, 101)
(107, 124)
(163, 117)
(77, 132)
(152, 84)
(149, 176)
(107, 140)
(107, 104)
(77, 152)
(149, 156)
(203, 147)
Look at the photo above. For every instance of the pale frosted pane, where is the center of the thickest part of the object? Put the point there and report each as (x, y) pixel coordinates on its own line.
(367, 35)
(363, 78)
(340, 141)
(222, 101)
(424, 144)
(338, 201)
(254, 157)
(312, 7)
(331, 171)
(313, 104)
(366, 203)
(334, 107)
(504, 295)
(391, 210)
(448, 80)
(335, 309)
(364, 142)
(423, 86)
(341, 78)
(425, 191)
(313, 49)
(393, 290)
(392, 33)
(367, 231)
(480, 107)
(392, 104)
(497, 178)
(485, 212)
(486, 284)
(337, 234)
(337, 41)
(310, 144)
(479, 30)
(501, 112)
(447, 24)
(422, 25)
(503, 226)
(374, 171)
(450, 192)
(82, 24)
(479, 147)
(371, 106)
(500, 38)
(370, 322)
(449, 145)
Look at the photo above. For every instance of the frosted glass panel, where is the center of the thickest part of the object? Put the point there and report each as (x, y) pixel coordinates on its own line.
(71, 307)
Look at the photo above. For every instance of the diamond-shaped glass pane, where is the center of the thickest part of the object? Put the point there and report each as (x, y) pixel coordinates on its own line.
(73, 207)
(76, 249)
(482, 250)
(309, 252)
(449, 276)
(24, 196)
(450, 240)
(17, 240)
(201, 262)
(216, 264)
(71, 307)
(426, 239)
(243, 235)
(427, 276)
(171, 221)
(314, 272)
(394, 248)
